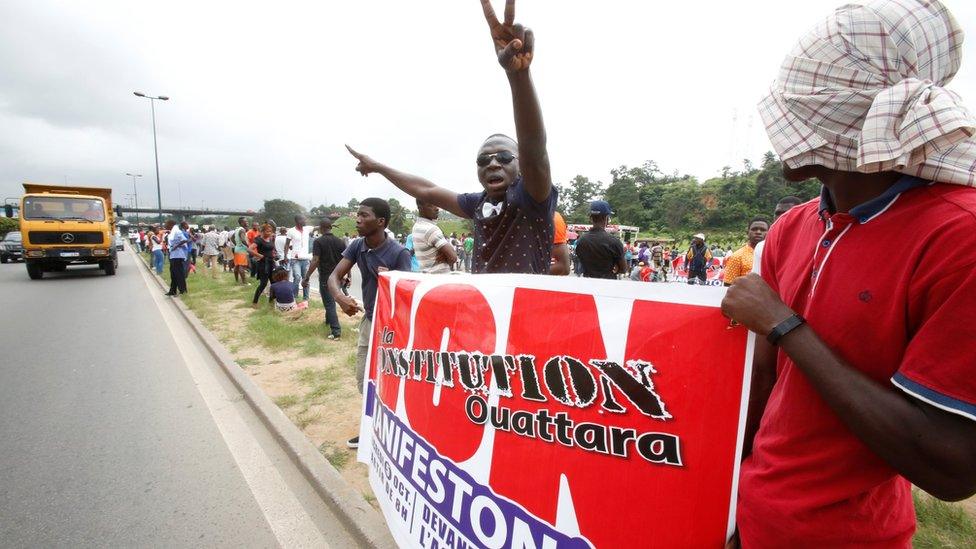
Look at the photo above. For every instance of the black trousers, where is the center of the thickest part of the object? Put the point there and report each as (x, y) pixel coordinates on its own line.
(263, 270)
(177, 275)
(697, 274)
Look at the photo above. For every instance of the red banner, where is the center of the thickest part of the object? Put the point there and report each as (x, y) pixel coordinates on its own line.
(532, 411)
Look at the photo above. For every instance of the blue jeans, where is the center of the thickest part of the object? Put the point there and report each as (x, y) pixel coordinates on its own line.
(331, 316)
(158, 261)
(298, 269)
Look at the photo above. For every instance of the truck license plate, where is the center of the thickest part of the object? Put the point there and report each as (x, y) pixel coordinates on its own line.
(70, 254)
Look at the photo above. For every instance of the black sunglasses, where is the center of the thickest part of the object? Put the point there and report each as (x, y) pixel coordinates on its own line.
(503, 157)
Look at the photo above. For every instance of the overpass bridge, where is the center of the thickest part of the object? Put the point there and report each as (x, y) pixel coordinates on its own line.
(181, 213)
(150, 213)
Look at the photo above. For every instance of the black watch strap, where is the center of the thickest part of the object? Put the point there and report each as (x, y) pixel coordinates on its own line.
(785, 327)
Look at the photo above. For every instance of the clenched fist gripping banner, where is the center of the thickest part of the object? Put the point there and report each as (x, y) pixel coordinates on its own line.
(543, 412)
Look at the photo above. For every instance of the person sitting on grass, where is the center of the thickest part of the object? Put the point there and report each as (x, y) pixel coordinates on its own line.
(283, 292)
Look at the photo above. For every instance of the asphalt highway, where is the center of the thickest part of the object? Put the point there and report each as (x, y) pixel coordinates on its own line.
(117, 428)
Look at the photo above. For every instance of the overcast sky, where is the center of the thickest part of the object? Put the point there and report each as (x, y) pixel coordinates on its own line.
(263, 95)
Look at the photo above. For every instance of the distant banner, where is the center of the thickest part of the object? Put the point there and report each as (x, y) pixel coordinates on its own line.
(713, 274)
(546, 412)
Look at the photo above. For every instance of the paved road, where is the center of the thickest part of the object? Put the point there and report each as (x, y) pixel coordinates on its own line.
(118, 429)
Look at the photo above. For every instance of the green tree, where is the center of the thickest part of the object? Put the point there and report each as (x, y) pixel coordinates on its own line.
(281, 211)
(575, 198)
(398, 217)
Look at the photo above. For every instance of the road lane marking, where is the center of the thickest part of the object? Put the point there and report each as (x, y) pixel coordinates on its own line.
(290, 523)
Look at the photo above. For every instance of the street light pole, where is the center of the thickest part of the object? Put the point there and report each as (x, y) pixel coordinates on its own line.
(135, 191)
(152, 108)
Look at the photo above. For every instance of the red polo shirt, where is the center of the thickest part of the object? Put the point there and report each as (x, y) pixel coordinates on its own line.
(891, 288)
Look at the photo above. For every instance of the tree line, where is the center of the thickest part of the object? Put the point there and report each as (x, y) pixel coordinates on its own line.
(678, 205)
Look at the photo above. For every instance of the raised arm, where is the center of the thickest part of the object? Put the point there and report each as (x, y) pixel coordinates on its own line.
(414, 185)
(515, 47)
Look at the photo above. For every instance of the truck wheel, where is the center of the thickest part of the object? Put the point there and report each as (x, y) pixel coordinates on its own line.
(34, 271)
(3, 259)
(109, 267)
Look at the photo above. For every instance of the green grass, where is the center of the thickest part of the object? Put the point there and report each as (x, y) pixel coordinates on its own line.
(248, 361)
(323, 383)
(304, 419)
(336, 456)
(286, 401)
(942, 524)
(277, 332)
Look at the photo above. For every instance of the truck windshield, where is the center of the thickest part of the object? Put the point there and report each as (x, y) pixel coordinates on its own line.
(49, 207)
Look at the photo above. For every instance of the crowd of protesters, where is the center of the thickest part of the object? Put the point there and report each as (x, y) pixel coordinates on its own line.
(854, 393)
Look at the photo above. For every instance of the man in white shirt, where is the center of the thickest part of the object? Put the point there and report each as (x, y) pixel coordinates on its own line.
(434, 253)
(299, 256)
(222, 247)
(280, 242)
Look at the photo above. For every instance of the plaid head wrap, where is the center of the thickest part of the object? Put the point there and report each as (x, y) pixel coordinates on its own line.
(863, 92)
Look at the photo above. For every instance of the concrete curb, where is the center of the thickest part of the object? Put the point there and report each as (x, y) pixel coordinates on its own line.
(365, 524)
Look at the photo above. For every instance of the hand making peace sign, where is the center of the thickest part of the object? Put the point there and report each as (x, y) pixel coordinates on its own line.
(514, 44)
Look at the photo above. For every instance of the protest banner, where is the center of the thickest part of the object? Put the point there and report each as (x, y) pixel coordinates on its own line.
(713, 276)
(549, 412)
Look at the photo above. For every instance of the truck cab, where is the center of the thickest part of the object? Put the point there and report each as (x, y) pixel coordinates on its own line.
(63, 226)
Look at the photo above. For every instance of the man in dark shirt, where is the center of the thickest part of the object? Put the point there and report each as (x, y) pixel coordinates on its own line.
(601, 255)
(513, 227)
(375, 252)
(326, 254)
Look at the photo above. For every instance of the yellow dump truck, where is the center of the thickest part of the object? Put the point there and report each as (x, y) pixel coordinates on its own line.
(64, 226)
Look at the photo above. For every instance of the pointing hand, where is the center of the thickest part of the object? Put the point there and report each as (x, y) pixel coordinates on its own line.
(366, 164)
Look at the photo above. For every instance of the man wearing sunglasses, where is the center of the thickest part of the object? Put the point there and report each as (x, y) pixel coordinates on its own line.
(513, 215)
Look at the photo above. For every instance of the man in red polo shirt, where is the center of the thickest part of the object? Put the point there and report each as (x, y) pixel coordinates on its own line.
(873, 385)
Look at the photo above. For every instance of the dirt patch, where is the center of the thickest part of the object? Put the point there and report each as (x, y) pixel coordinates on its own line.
(970, 506)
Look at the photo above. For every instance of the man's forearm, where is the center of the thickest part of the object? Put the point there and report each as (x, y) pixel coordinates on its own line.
(531, 133)
(421, 188)
(931, 448)
(333, 284)
(311, 267)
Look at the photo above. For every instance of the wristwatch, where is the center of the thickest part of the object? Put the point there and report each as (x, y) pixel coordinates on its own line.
(793, 322)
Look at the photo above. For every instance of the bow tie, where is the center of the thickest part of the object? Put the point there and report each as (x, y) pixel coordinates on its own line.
(490, 210)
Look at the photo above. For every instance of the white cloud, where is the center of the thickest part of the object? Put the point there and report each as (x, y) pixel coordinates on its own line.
(265, 94)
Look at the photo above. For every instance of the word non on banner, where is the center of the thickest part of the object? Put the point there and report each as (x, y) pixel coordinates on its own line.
(545, 412)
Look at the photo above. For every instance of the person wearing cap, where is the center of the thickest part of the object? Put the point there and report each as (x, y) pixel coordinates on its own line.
(601, 255)
(863, 378)
(635, 273)
(697, 258)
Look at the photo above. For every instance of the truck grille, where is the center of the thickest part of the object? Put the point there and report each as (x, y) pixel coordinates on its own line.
(65, 237)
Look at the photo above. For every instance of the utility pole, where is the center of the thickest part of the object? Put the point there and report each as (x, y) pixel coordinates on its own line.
(135, 192)
(152, 108)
